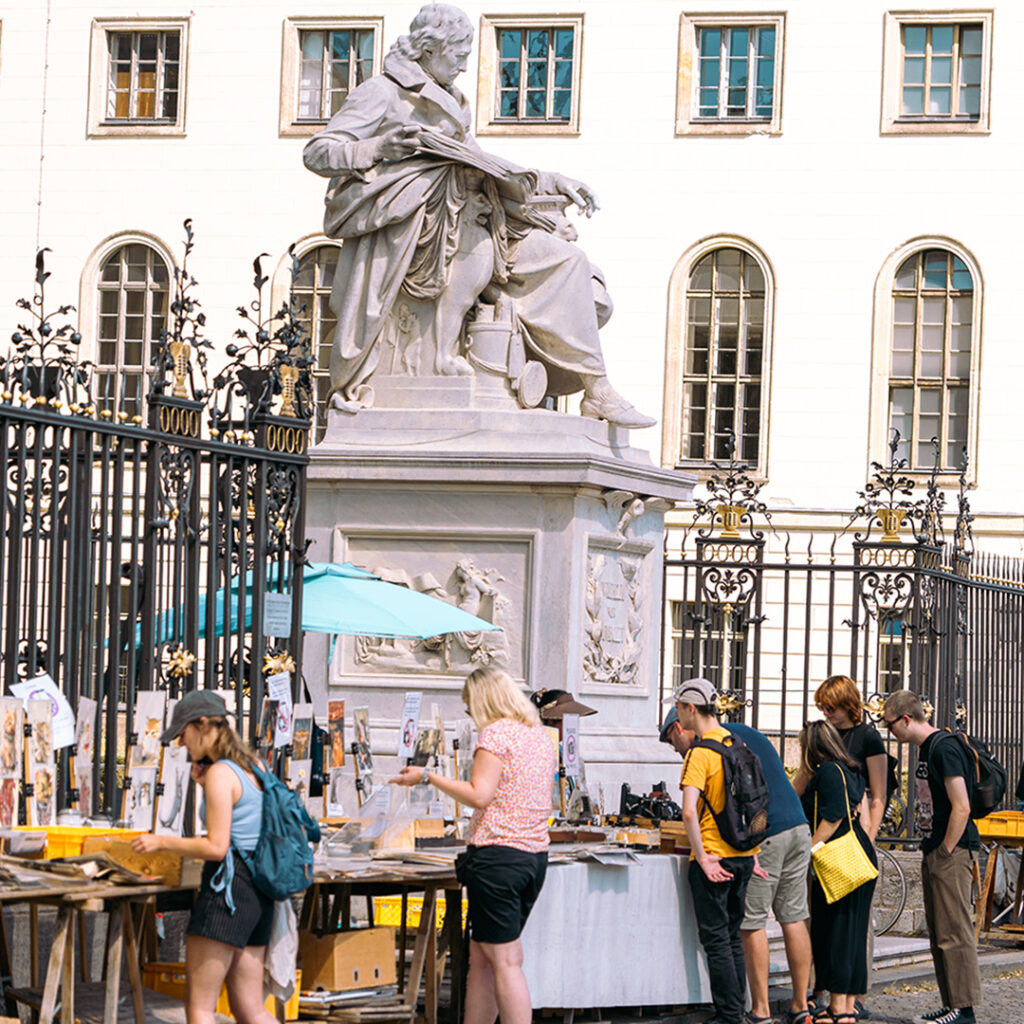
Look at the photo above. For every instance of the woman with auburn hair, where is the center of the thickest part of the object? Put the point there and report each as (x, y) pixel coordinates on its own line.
(839, 700)
(839, 931)
(230, 924)
(506, 857)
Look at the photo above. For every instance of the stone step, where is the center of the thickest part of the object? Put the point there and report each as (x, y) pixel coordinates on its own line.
(890, 951)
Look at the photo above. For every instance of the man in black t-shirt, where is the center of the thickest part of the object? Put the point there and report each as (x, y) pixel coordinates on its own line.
(949, 838)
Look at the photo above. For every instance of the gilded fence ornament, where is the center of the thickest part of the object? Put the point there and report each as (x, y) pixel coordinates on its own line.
(275, 662)
(887, 499)
(180, 662)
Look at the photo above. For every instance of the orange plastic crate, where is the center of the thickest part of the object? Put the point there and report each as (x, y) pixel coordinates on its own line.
(67, 840)
(1002, 823)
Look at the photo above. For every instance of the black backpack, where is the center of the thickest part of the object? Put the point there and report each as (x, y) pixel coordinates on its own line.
(986, 784)
(743, 820)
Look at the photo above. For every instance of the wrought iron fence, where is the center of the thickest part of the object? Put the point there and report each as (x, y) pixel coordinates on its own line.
(142, 549)
(887, 600)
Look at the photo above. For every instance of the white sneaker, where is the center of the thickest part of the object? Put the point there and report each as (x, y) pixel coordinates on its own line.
(944, 1015)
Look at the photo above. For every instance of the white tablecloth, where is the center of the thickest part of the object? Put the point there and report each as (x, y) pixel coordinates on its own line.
(604, 935)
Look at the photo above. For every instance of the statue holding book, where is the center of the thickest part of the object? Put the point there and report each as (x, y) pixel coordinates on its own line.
(437, 232)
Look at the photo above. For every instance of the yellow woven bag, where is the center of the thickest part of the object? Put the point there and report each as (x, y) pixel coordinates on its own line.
(841, 864)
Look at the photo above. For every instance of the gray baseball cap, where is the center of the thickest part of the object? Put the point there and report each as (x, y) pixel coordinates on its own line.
(193, 706)
(694, 691)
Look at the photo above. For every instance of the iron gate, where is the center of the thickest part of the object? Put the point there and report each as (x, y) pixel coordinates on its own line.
(143, 543)
(887, 600)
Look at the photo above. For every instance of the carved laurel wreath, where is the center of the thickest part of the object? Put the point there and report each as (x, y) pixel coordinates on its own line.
(599, 664)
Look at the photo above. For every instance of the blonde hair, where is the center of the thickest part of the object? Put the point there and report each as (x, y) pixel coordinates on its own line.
(841, 692)
(821, 742)
(227, 745)
(491, 694)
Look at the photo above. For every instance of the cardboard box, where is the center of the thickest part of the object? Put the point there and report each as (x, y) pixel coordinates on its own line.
(341, 961)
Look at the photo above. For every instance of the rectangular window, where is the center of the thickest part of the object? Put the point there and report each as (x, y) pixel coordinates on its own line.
(936, 72)
(322, 61)
(529, 77)
(941, 71)
(736, 74)
(536, 73)
(143, 76)
(331, 64)
(698, 649)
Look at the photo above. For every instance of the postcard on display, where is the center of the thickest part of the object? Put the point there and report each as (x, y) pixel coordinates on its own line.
(84, 759)
(175, 774)
(12, 736)
(336, 731)
(140, 799)
(435, 713)
(40, 743)
(42, 687)
(466, 748)
(302, 732)
(41, 808)
(428, 742)
(279, 688)
(8, 802)
(268, 726)
(299, 773)
(410, 720)
(336, 793)
(148, 724)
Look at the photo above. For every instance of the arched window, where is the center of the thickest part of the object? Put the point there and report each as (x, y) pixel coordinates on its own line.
(930, 357)
(313, 291)
(723, 357)
(132, 309)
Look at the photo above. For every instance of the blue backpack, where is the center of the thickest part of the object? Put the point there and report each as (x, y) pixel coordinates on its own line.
(282, 863)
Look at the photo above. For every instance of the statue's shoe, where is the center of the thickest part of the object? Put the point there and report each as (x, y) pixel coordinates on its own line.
(615, 409)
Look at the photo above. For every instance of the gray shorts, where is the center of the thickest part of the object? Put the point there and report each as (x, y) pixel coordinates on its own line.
(785, 857)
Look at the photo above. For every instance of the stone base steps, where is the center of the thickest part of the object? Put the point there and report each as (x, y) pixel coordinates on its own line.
(890, 951)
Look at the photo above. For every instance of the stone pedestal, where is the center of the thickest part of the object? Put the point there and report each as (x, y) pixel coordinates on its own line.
(547, 524)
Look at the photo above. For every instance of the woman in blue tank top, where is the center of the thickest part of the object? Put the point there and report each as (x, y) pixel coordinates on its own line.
(230, 923)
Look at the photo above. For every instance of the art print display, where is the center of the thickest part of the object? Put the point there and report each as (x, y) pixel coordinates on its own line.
(336, 731)
(299, 774)
(363, 753)
(428, 743)
(268, 726)
(148, 724)
(8, 802)
(84, 759)
(336, 793)
(40, 744)
(140, 799)
(302, 731)
(12, 734)
(175, 773)
(44, 789)
(279, 688)
(467, 744)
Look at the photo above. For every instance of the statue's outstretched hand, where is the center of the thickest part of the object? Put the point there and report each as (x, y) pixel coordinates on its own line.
(398, 143)
(582, 195)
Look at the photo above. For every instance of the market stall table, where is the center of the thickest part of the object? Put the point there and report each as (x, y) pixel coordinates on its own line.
(73, 897)
(631, 930)
(327, 908)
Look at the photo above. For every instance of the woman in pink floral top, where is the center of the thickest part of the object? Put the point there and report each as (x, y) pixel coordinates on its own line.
(506, 858)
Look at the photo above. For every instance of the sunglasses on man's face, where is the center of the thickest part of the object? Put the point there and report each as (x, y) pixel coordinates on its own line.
(889, 724)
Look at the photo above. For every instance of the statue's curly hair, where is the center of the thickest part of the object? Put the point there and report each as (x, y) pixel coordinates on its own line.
(435, 23)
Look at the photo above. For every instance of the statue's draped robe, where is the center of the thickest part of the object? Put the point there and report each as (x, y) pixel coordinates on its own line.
(399, 223)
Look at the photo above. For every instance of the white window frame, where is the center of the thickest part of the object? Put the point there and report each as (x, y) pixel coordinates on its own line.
(289, 124)
(893, 122)
(675, 353)
(99, 124)
(881, 349)
(688, 119)
(488, 121)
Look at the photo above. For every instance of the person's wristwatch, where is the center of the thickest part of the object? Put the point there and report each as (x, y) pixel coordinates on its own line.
(426, 773)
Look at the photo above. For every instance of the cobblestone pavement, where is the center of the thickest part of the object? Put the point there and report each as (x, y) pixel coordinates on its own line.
(1002, 1000)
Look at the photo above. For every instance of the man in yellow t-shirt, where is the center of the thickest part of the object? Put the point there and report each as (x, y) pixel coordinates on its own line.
(718, 873)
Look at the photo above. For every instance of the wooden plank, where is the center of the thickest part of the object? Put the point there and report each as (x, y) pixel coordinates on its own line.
(428, 923)
(67, 978)
(53, 971)
(131, 952)
(115, 939)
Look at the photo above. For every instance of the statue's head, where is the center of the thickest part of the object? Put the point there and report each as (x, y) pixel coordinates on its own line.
(440, 39)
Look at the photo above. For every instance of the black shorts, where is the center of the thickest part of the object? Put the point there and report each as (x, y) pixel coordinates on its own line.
(249, 925)
(502, 885)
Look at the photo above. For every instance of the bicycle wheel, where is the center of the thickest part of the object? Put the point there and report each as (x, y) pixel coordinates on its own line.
(890, 892)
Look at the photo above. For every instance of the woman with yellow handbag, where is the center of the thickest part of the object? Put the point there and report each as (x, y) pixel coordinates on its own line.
(844, 872)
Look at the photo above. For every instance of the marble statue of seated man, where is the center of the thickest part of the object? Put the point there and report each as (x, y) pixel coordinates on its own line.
(427, 216)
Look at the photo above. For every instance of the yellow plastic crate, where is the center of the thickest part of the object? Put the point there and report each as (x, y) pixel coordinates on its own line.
(67, 840)
(1002, 823)
(169, 979)
(388, 910)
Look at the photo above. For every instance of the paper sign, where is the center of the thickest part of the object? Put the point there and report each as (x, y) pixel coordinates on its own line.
(44, 688)
(279, 688)
(277, 614)
(571, 745)
(410, 719)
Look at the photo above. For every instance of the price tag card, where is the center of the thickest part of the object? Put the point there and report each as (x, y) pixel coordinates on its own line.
(410, 719)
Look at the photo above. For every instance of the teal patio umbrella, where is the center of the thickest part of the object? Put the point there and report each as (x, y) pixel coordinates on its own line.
(340, 599)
